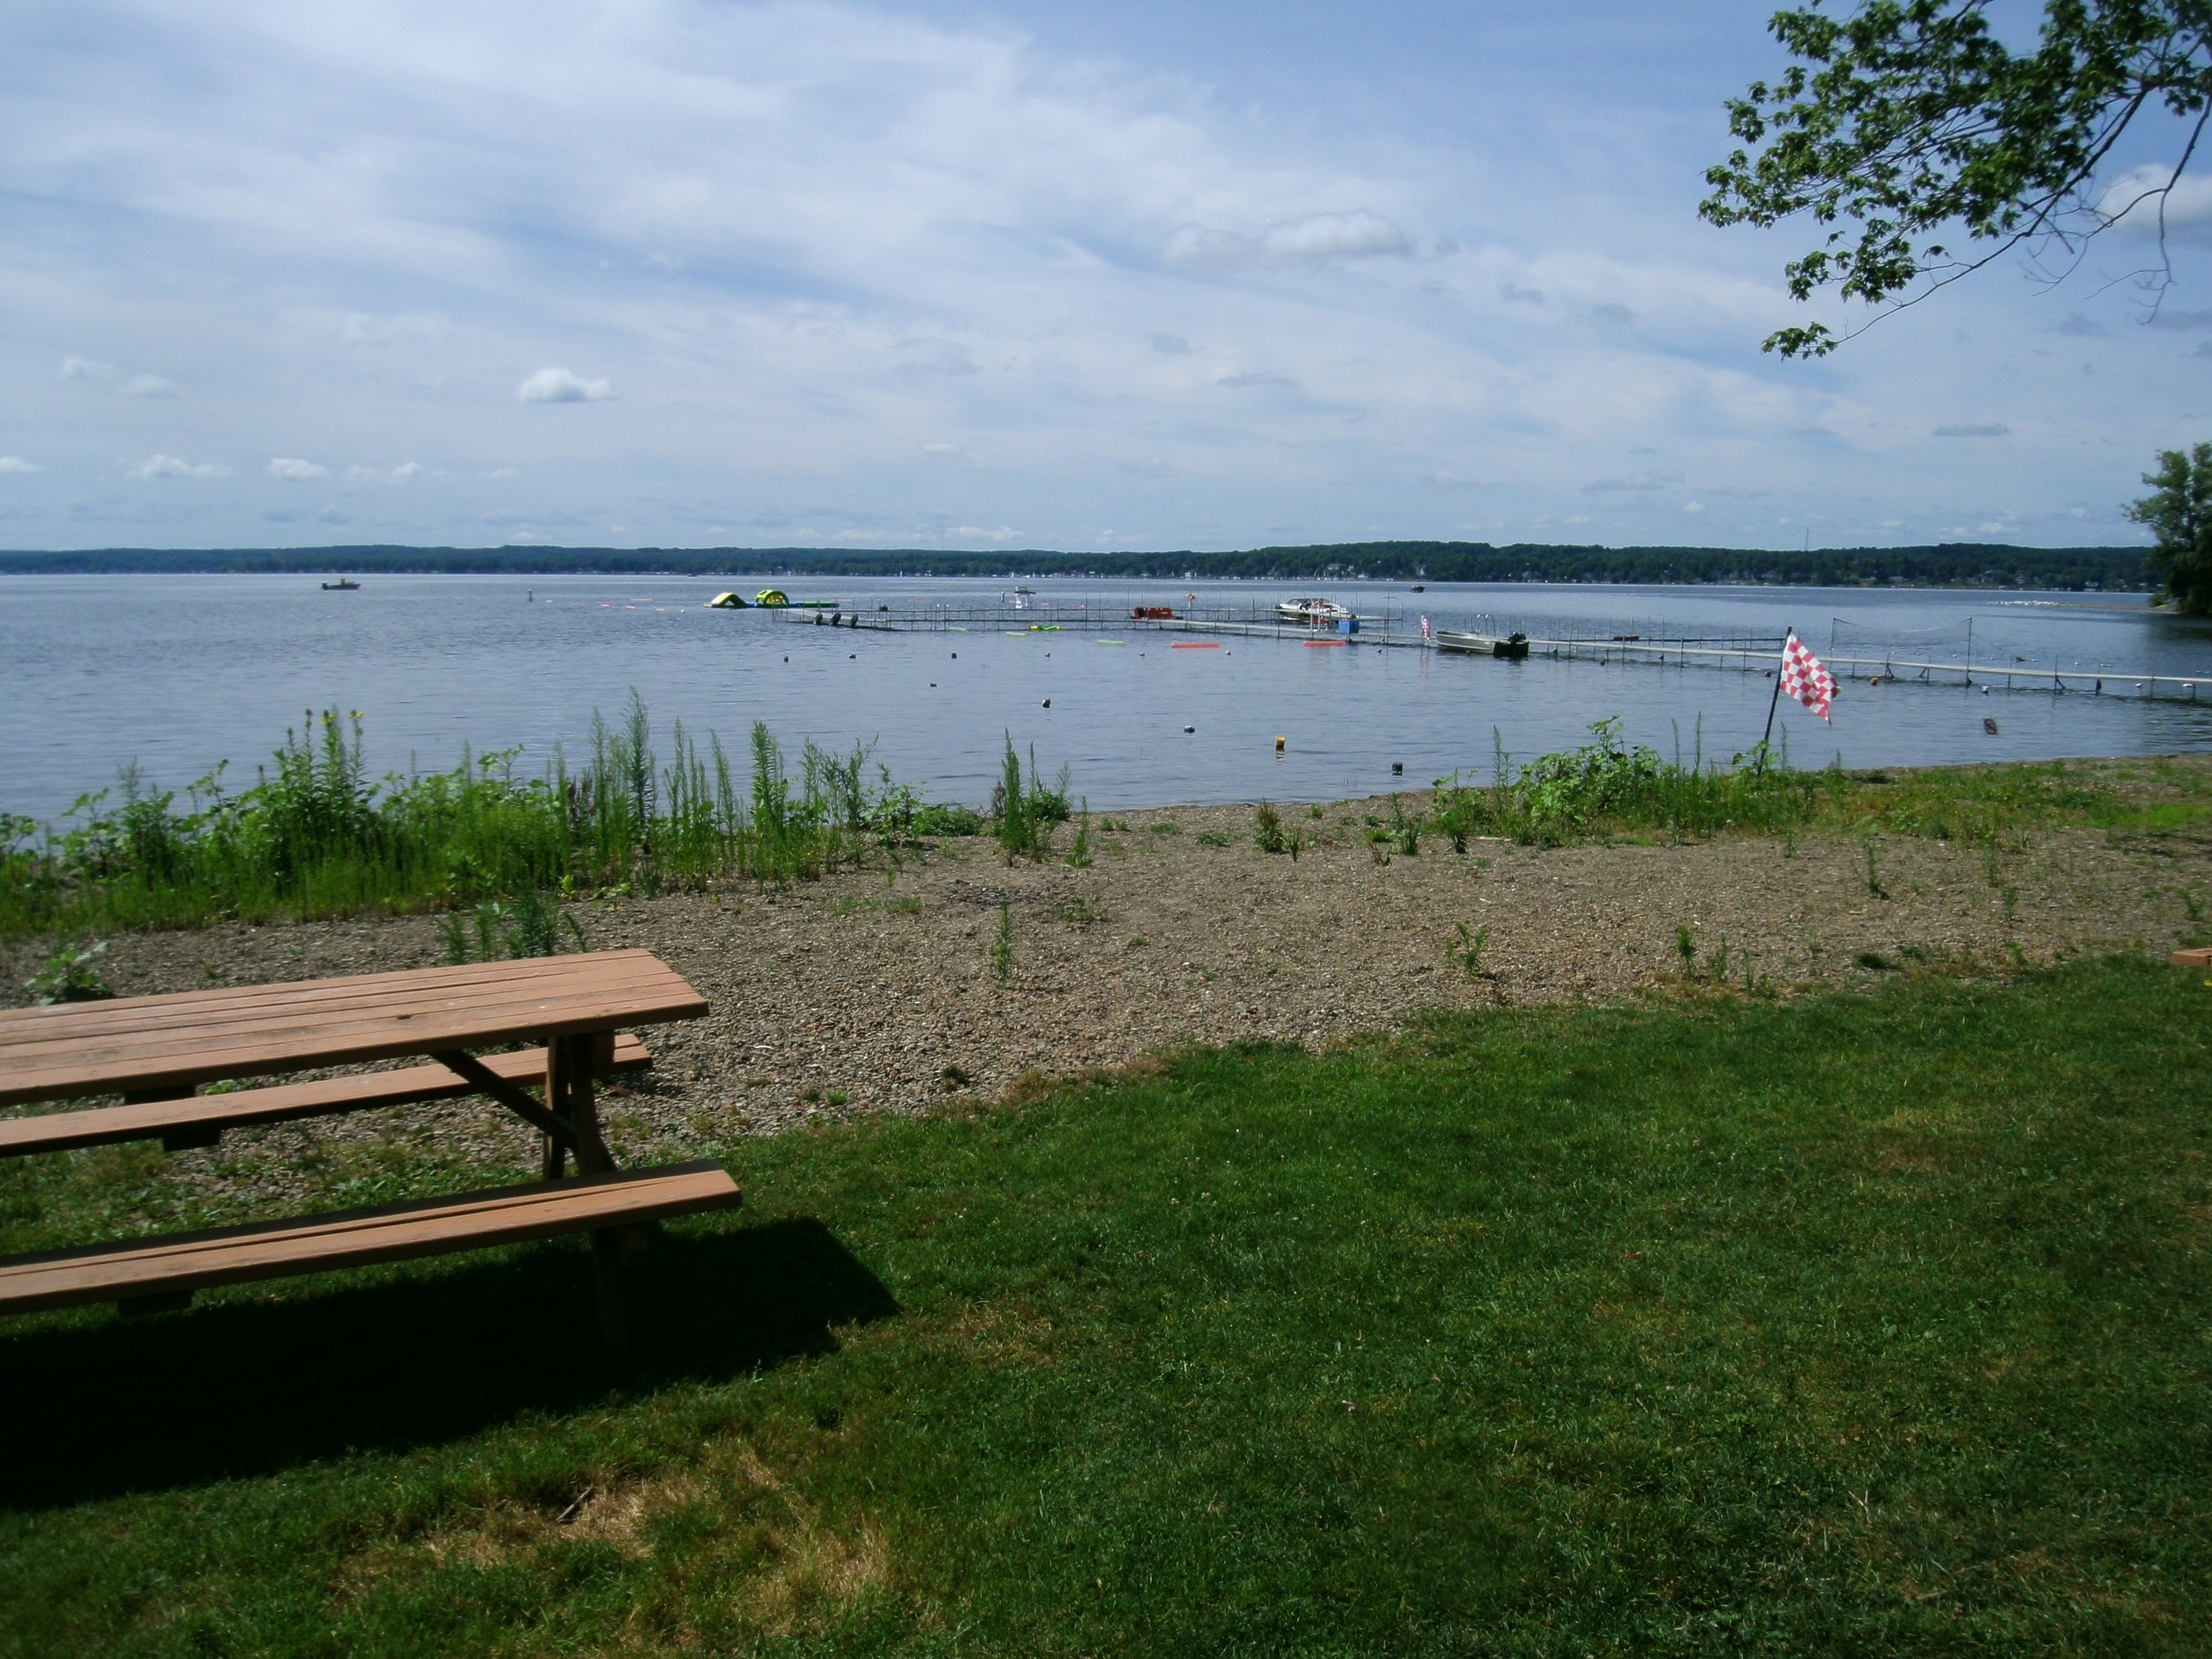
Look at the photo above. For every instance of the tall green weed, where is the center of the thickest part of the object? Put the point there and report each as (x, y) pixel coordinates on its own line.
(317, 835)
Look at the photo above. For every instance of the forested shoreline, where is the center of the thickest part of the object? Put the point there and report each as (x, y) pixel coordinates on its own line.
(1941, 565)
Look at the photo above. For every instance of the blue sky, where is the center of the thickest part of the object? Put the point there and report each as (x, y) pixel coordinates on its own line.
(1057, 275)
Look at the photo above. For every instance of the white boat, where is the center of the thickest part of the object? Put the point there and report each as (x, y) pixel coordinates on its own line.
(1313, 613)
(1512, 647)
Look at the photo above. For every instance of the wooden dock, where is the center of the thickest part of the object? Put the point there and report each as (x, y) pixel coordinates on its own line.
(1390, 630)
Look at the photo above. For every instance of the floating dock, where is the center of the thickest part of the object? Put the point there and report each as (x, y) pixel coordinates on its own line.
(1392, 630)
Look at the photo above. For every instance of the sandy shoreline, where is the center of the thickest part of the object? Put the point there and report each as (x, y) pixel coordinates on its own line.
(856, 994)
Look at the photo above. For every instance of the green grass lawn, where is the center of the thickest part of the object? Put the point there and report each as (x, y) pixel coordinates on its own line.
(1869, 1323)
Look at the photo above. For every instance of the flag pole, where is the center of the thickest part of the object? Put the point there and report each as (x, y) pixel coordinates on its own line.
(1773, 703)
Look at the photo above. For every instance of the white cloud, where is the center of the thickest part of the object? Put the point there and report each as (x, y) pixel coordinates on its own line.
(17, 463)
(1318, 239)
(360, 328)
(1641, 481)
(1694, 507)
(558, 386)
(294, 470)
(966, 533)
(1151, 466)
(107, 375)
(2129, 199)
(168, 466)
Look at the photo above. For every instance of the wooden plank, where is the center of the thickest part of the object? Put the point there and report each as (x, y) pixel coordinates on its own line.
(146, 1043)
(466, 978)
(29, 1036)
(55, 1131)
(180, 1264)
(312, 1002)
(475, 1025)
(2192, 958)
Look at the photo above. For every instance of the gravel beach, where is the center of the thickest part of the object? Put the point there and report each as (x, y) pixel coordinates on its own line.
(868, 991)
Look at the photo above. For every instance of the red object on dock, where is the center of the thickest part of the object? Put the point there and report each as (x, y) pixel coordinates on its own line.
(1327, 645)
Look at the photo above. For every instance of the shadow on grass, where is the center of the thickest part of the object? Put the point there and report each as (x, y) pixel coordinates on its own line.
(417, 1356)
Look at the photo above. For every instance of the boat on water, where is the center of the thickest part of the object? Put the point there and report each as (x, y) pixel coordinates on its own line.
(1313, 613)
(342, 585)
(1509, 648)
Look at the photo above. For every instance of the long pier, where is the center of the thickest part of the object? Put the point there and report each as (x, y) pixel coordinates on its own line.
(1389, 630)
(1763, 656)
(1759, 654)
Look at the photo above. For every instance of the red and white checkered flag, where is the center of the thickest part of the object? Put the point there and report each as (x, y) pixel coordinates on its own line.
(1806, 677)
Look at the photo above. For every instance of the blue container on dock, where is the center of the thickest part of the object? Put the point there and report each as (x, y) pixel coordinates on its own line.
(1347, 625)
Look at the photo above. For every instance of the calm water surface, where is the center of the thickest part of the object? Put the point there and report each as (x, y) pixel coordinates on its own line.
(178, 673)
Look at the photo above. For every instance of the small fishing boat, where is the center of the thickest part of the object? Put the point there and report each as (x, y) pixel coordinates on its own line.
(1313, 613)
(1153, 613)
(342, 585)
(726, 601)
(1510, 648)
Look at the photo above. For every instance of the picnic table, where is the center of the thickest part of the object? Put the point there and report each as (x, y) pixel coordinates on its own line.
(156, 1052)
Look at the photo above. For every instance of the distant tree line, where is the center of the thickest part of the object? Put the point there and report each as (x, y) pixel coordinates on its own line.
(1950, 564)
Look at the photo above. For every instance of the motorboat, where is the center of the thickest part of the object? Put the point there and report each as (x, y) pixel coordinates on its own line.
(1314, 613)
(1509, 648)
(342, 585)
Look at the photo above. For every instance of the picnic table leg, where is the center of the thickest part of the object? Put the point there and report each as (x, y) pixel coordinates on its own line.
(578, 1103)
(606, 1280)
(556, 1089)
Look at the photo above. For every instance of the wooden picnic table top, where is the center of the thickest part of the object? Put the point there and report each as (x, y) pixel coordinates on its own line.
(136, 1044)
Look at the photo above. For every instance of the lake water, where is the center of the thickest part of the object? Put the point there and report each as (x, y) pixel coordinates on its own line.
(180, 672)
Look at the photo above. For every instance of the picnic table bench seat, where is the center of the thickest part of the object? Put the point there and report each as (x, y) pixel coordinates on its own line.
(199, 1119)
(146, 1274)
